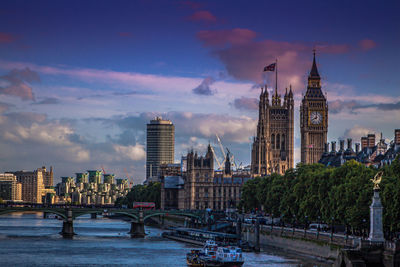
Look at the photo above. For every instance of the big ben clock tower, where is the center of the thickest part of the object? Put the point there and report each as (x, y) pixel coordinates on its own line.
(313, 119)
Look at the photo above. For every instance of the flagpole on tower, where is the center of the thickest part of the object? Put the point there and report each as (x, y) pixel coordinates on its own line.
(276, 76)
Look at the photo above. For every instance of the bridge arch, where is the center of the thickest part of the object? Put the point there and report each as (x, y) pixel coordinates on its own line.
(127, 214)
(169, 213)
(8, 211)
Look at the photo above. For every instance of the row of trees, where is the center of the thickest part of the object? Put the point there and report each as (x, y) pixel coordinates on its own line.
(315, 192)
(142, 193)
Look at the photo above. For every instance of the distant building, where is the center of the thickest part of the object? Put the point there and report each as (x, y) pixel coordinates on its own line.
(32, 185)
(10, 189)
(48, 177)
(371, 153)
(109, 178)
(200, 187)
(87, 188)
(94, 177)
(82, 178)
(160, 144)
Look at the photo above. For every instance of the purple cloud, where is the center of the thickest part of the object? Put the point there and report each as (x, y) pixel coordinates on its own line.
(15, 83)
(204, 87)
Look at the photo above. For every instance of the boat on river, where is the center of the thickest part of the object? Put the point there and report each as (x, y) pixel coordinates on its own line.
(214, 255)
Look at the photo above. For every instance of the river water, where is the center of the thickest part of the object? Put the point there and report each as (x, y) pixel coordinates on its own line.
(26, 239)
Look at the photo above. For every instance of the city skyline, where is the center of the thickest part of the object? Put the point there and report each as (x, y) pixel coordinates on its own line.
(80, 81)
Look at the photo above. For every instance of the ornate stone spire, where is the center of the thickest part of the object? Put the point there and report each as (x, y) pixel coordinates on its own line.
(314, 70)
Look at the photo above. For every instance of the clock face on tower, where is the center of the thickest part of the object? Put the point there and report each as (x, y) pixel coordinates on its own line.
(315, 117)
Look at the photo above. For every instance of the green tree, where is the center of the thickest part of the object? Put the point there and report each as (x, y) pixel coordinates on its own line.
(142, 193)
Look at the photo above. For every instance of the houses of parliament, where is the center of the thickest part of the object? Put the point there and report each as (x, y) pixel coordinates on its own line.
(273, 145)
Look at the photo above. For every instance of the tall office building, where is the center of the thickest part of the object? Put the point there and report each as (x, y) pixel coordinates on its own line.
(32, 185)
(10, 189)
(160, 145)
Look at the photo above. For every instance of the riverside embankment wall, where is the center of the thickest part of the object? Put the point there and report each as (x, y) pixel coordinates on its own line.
(308, 243)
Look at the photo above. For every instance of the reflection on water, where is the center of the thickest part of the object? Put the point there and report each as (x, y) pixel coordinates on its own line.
(29, 240)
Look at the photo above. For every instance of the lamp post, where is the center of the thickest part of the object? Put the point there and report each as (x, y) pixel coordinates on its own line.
(364, 230)
(333, 219)
(318, 228)
(272, 222)
(282, 224)
(305, 226)
(293, 224)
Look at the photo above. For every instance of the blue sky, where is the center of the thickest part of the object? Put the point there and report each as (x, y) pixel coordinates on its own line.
(80, 79)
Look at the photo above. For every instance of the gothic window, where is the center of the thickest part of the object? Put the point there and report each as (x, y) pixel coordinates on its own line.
(283, 142)
(278, 141)
(273, 141)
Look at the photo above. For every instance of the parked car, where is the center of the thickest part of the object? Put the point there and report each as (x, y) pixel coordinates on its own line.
(322, 227)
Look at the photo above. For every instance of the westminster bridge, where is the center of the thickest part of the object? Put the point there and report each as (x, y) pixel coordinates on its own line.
(68, 213)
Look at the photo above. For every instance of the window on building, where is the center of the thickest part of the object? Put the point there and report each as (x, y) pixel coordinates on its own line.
(273, 141)
(278, 141)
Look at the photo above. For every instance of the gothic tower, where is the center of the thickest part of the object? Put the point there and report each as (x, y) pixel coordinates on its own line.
(313, 119)
(272, 149)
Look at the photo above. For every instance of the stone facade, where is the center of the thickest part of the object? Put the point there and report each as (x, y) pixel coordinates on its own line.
(376, 219)
(199, 186)
(313, 119)
(371, 153)
(272, 149)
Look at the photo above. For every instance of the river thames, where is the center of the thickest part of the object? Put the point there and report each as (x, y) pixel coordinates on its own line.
(26, 239)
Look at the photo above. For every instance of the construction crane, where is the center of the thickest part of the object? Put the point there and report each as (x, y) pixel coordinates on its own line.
(232, 159)
(129, 179)
(220, 167)
(104, 172)
(221, 147)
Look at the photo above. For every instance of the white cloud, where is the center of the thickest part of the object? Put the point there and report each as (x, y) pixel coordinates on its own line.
(131, 152)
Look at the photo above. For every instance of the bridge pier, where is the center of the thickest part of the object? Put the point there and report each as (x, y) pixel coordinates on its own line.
(68, 226)
(93, 215)
(45, 215)
(137, 228)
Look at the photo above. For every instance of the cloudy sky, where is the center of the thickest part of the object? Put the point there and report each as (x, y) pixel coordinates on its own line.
(79, 80)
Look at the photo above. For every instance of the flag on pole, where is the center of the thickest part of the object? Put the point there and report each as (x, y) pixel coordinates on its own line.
(310, 146)
(270, 67)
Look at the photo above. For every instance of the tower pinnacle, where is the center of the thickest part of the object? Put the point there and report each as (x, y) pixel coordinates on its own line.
(314, 71)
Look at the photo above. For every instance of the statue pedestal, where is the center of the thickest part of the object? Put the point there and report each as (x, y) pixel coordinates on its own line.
(376, 223)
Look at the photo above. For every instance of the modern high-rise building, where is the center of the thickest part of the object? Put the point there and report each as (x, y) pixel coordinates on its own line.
(272, 150)
(313, 119)
(94, 176)
(10, 189)
(160, 144)
(82, 178)
(32, 185)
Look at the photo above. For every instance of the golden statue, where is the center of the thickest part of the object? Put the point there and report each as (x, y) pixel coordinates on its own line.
(377, 180)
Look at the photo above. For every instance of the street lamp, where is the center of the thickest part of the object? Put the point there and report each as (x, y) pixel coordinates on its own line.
(305, 226)
(294, 224)
(332, 228)
(364, 229)
(318, 228)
